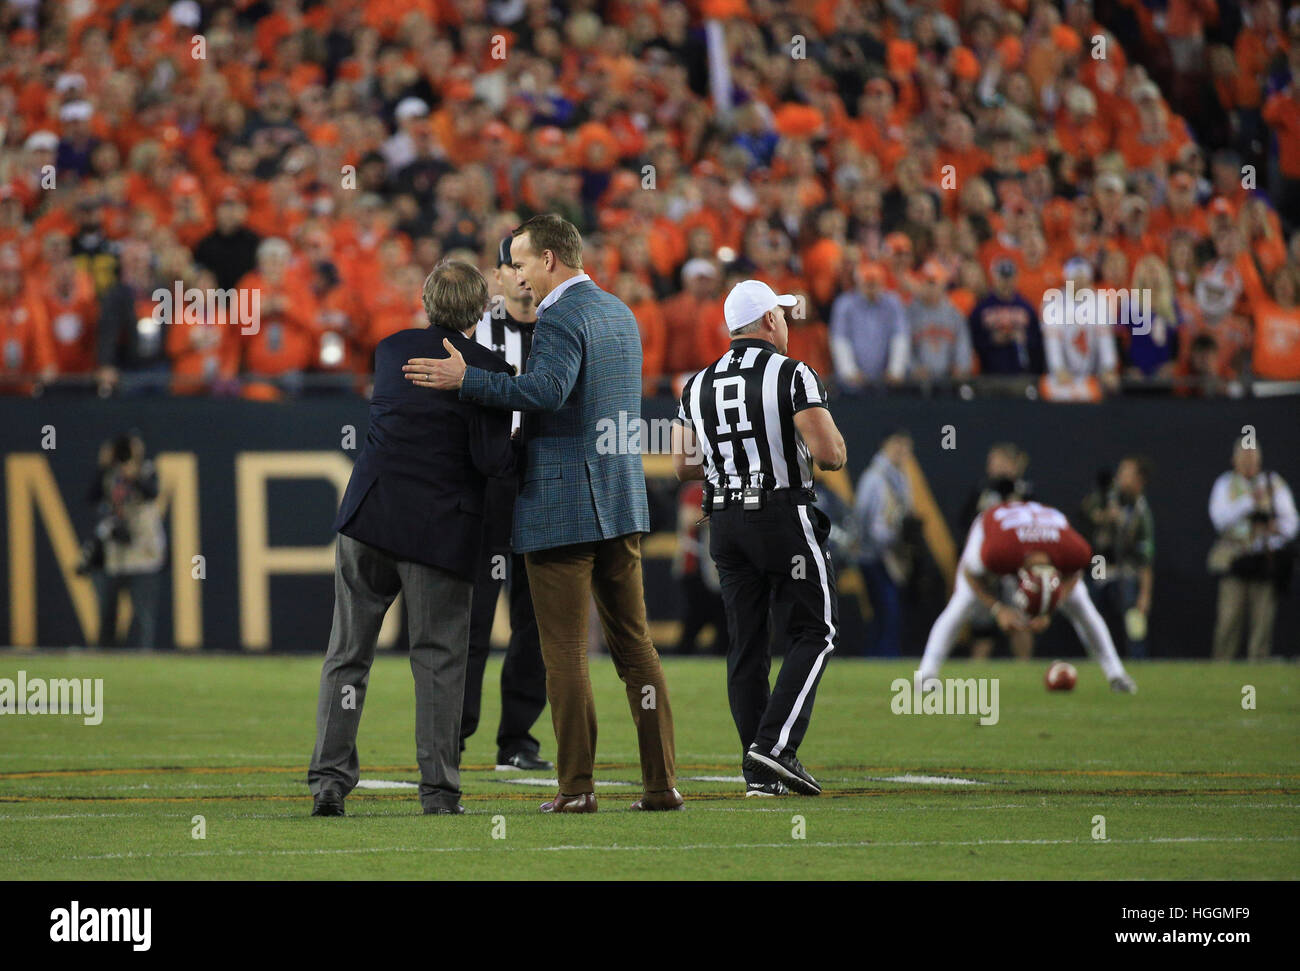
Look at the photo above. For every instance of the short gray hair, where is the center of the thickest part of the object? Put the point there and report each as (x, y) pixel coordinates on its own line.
(455, 295)
(752, 327)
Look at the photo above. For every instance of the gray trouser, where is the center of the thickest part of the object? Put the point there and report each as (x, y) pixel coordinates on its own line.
(144, 589)
(366, 581)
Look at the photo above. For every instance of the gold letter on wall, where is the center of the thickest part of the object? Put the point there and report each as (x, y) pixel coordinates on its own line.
(31, 488)
(258, 561)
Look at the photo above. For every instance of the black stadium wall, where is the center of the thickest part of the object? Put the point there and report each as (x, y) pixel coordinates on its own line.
(252, 489)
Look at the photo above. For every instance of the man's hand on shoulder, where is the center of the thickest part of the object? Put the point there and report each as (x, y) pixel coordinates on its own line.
(440, 374)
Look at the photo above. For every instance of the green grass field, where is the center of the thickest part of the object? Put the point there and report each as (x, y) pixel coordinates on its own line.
(1191, 785)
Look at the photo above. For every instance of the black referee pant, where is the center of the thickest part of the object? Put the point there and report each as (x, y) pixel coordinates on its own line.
(523, 678)
(774, 561)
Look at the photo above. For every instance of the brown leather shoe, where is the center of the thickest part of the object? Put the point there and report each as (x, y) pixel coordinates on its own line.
(659, 801)
(582, 803)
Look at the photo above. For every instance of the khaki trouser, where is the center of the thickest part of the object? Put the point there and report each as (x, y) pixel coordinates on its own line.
(1241, 601)
(563, 581)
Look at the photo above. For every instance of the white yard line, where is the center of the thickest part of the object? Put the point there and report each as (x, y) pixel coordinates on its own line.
(554, 783)
(589, 848)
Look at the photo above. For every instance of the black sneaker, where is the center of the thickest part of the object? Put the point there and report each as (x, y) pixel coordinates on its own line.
(328, 802)
(773, 788)
(525, 762)
(787, 767)
(762, 781)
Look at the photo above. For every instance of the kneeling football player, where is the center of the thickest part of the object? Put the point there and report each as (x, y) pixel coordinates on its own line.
(1036, 544)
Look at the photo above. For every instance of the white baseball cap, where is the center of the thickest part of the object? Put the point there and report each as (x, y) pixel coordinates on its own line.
(698, 267)
(42, 141)
(1077, 268)
(186, 13)
(410, 107)
(76, 111)
(69, 81)
(749, 300)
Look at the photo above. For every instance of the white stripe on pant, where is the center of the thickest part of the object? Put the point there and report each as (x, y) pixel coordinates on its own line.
(816, 553)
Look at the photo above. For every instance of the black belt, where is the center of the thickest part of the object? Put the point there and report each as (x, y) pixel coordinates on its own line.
(754, 498)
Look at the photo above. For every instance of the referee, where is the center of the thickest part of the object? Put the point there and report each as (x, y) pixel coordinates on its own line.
(507, 330)
(751, 425)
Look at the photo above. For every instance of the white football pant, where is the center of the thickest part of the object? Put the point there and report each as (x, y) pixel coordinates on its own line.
(965, 607)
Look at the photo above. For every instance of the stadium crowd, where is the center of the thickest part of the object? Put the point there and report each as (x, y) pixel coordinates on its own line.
(922, 173)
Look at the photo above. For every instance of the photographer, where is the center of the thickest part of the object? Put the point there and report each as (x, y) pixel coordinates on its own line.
(1254, 514)
(887, 535)
(1122, 530)
(129, 546)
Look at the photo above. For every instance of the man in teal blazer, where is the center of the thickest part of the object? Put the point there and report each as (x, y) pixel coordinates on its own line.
(582, 505)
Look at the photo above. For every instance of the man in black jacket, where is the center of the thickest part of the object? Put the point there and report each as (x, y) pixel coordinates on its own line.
(412, 521)
(129, 339)
(229, 251)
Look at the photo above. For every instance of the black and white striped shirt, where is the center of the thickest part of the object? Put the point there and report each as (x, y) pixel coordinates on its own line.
(508, 338)
(505, 337)
(742, 410)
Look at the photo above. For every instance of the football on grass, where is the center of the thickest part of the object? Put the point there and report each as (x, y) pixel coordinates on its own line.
(1060, 676)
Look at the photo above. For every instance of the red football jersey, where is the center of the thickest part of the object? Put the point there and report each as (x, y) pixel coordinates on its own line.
(1013, 530)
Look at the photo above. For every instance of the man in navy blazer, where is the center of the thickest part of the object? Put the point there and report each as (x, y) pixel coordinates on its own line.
(412, 521)
(582, 507)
